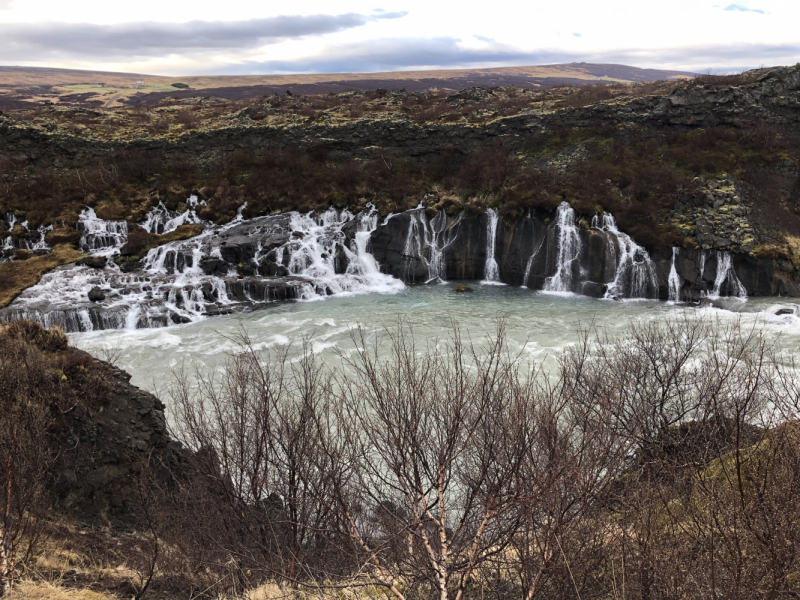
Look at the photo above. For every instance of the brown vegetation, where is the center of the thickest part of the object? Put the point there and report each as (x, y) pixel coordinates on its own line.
(666, 460)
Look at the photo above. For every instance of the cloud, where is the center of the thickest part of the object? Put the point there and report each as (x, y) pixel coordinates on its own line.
(6, 4)
(576, 34)
(445, 52)
(34, 41)
(743, 8)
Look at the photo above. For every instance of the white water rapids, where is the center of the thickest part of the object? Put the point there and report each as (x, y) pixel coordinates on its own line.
(538, 325)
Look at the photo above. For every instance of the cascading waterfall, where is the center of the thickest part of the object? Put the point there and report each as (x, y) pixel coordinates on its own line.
(183, 281)
(26, 242)
(568, 250)
(319, 252)
(161, 220)
(674, 280)
(726, 279)
(427, 241)
(100, 237)
(491, 272)
(635, 275)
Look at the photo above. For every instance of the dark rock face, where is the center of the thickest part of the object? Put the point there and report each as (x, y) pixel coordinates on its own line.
(107, 445)
(527, 253)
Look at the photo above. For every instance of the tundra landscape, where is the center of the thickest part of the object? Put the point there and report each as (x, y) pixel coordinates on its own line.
(445, 329)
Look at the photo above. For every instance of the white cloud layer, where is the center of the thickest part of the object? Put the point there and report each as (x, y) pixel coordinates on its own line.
(240, 36)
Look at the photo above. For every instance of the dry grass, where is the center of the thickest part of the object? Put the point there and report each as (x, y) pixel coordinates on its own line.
(17, 276)
(29, 590)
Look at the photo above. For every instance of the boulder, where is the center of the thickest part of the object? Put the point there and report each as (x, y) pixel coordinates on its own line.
(96, 294)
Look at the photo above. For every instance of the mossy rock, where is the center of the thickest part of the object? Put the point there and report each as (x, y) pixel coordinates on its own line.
(63, 235)
(460, 288)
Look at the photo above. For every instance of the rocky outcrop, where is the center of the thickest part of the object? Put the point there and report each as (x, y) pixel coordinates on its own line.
(109, 444)
(773, 98)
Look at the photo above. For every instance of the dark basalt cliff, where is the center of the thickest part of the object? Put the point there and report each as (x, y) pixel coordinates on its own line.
(527, 254)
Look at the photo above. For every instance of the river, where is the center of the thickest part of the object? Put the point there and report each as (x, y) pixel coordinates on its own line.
(539, 325)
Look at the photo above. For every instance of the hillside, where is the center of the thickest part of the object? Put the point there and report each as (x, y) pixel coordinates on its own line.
(29, 84)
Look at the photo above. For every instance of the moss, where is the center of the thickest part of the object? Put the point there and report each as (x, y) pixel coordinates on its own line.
(62, 235)
(140, 242)
(18, 276)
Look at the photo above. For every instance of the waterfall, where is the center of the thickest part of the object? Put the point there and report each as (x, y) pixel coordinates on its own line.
(427, 241)
(318, 247)
(674, 281)
(726, 279)
(491, 272)
(635, 275)
(183, 281)
(437, 239)
(412, 248)
(161, 220)
(569, 248)
(29, 242)
(530, 261)
(98, 236)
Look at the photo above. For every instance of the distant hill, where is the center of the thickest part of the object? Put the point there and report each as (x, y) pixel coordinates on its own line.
(19, 86)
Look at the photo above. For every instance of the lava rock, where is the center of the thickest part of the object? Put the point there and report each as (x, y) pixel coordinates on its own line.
(96, 294)
(785, 311)
(95, 262)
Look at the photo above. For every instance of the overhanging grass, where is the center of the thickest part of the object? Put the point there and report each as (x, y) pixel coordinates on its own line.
(19, 275)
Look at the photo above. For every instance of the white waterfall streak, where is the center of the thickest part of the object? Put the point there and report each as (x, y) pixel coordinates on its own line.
(726, 282)
(568, 250)
(674, 281)
(635, 275)
(100, 237)
(491, 272)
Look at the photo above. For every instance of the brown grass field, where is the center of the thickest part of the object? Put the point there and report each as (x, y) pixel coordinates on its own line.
(32, 84)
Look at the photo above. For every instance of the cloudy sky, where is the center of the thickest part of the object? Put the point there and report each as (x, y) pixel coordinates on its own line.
(193, 37)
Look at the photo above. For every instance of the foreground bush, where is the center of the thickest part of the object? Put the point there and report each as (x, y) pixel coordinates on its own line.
(667, 460)
(665, 463)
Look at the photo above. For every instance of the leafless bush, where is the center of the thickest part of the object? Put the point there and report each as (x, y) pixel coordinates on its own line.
(662, 464)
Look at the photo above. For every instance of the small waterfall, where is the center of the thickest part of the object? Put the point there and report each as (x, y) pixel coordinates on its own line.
(427, 241)
(437, 239)
(29, 242)
(100, 237)
(568, 250)
(533, 256)
(412, 249)
(674, 280)
(635, 275)
(726, 282)
(161, 220)
(491, 272)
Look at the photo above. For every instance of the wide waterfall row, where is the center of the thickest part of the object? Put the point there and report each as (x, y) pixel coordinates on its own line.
(239, 265)
(246, 263)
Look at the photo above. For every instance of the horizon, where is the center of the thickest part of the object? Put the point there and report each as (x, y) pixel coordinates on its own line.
(202, 39)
